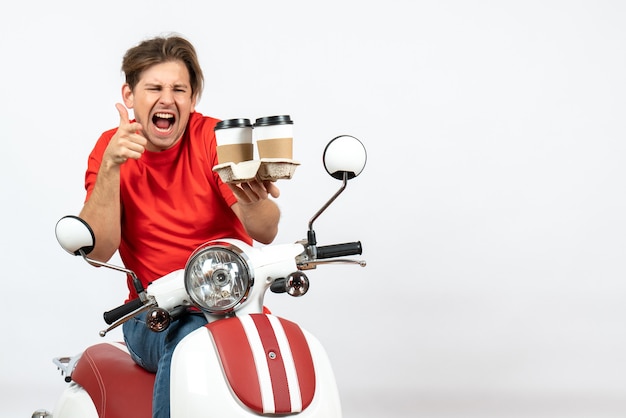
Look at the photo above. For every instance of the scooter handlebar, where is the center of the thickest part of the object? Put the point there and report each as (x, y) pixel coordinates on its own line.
(122, 310)
(339, 250)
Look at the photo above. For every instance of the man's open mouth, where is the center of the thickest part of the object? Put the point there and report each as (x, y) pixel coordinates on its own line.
(163, 121)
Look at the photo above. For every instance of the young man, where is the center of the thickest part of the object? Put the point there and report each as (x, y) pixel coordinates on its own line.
(152, 194)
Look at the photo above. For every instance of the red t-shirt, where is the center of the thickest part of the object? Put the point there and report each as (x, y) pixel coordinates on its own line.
(172, 202)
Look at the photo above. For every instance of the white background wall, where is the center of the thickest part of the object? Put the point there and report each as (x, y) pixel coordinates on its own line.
(491, 211)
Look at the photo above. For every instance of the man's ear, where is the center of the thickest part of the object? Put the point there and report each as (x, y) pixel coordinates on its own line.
(127, 95)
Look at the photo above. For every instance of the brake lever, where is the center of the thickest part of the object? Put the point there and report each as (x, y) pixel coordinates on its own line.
(312, 264)
(143, 308)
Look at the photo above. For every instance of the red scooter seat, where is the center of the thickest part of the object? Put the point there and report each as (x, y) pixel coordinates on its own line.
(118, 386)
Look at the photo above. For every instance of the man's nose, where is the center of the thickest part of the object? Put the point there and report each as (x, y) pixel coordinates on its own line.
(167, 96)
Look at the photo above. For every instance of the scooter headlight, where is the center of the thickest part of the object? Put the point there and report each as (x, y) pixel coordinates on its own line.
(218, 277)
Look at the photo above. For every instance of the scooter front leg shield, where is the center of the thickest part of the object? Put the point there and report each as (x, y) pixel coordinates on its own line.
(252, 365)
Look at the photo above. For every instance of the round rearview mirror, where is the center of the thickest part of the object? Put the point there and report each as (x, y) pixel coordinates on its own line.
(344, 154)
(75, 235)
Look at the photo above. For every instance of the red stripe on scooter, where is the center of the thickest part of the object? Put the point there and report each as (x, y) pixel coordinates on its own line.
(280, 388)
(237, 360)
(302, 359)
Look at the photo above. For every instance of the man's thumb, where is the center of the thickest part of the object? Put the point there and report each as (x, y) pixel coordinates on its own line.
(123, 113)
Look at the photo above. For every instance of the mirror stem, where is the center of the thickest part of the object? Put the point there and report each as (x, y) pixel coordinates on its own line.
(136, 282)
(311, 234)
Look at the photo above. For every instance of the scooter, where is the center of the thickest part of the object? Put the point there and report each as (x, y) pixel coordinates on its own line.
(246, 362)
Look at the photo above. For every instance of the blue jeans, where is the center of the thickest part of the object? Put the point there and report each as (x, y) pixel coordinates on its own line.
(153, 351)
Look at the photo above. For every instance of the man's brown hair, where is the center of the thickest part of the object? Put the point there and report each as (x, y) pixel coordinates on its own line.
(159, 50)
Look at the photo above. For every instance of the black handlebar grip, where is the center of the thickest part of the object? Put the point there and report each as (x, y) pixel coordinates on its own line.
(122, 310)
(339, 250)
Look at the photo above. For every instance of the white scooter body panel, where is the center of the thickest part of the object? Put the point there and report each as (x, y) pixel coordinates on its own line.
(199, 383)
(75, 403)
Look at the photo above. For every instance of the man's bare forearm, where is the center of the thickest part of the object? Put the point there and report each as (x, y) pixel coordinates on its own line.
(102, 212)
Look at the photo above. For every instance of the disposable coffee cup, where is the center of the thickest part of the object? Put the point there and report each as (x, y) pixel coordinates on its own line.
(234, 141)
(274, 137)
